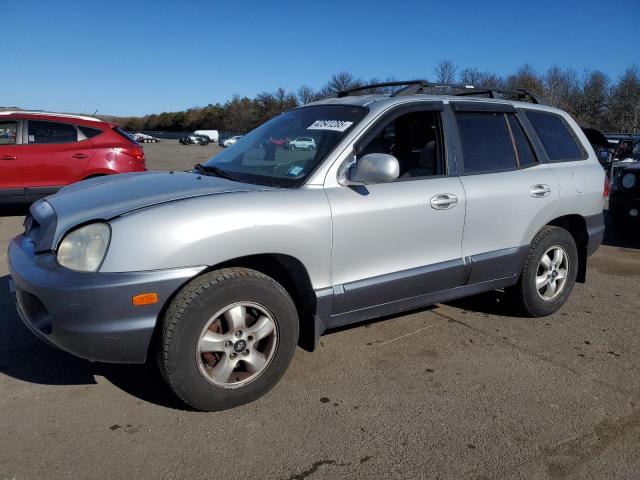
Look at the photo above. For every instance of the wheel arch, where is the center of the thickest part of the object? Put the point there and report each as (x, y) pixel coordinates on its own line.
(292, 274)
(576, 225)
(97, 172)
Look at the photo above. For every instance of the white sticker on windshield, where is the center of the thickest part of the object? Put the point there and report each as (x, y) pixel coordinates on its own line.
(335, 125)
(295, 170)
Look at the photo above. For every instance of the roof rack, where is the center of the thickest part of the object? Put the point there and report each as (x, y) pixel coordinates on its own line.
(346, 93)
(412, 87)
(519, 94)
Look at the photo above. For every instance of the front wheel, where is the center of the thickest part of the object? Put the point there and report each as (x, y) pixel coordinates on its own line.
(549, 273)
(227, 338)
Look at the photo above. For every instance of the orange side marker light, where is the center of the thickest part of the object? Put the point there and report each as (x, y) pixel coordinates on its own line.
(144, 299)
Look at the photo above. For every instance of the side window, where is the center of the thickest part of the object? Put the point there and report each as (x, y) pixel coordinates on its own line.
(51, 132)
(415, 139)
(8, 131)
(554, 134)
(525, 155)
(486, 142)
(89, 132)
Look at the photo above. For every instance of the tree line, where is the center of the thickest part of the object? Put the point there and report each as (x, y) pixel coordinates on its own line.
(593, 98)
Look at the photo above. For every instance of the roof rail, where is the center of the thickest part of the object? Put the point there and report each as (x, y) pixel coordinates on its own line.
(53, 114)
(346, 93)
(412, 87)
(519, 94)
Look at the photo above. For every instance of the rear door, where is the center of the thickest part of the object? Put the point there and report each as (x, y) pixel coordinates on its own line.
(11, 183)
(54, 154)
(510, 193)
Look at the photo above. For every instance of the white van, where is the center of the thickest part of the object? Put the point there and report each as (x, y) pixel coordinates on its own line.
(212, 134)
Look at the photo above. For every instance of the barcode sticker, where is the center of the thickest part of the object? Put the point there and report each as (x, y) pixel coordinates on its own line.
(334, 125)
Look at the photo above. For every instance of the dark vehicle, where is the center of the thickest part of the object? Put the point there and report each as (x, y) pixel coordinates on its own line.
(195, 140)
(624, 201)
(601, 145)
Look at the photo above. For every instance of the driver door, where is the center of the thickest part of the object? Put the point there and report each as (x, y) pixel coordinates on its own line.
(398, 241)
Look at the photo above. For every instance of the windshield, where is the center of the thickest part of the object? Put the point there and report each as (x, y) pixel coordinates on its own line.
(273, 153)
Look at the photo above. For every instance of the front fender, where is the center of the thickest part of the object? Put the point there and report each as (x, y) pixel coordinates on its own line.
(214, 229)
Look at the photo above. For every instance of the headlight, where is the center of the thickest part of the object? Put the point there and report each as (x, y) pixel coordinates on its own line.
(84, 249)
(628, 180)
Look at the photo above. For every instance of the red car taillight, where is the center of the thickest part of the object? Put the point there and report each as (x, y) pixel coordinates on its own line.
(607, 186)
(136, 153)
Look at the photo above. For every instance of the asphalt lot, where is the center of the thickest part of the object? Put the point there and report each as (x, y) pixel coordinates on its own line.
(462, 390)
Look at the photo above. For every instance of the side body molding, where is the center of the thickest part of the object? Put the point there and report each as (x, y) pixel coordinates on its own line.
(342, 305)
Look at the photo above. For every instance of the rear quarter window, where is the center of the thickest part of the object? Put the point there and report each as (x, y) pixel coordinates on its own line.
(557, 139)
(89, 132)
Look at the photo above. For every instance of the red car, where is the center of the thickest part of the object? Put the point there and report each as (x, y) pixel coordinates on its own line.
(42, 152)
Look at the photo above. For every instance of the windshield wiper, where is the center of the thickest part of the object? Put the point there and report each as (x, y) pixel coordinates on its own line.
(212, 171)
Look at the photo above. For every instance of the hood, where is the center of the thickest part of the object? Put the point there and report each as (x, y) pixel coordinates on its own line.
(107, 197)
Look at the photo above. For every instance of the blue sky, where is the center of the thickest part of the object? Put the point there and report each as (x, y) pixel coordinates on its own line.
(136, 57)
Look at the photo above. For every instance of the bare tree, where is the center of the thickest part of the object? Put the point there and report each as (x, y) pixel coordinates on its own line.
(624, 112)
(526, 77)
(338, 83)
(591, 100)
(446, 72)
(305, 94)
(560, 87)
(471, 76)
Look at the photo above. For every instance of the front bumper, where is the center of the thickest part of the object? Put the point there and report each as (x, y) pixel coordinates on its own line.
(90, 315)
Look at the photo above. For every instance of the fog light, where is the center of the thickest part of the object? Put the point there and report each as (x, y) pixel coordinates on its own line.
(633, 212)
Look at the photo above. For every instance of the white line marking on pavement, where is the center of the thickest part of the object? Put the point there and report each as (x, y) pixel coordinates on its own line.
(405, 335)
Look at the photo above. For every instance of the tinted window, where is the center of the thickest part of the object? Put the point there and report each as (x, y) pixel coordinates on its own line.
(51, 132)
(486, 142)
(8, 132)
(415, 140)
(555, 136)
(526, 157)
(124, 134)
(89, 132)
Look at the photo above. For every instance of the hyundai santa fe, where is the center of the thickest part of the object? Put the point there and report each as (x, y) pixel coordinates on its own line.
(42, 152)
(219, 273)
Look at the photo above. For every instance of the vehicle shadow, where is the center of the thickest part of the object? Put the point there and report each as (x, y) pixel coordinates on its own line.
(495, 302)
(14, 210)
(25, 357)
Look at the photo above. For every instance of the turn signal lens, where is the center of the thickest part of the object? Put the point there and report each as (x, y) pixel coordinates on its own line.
(144, 299)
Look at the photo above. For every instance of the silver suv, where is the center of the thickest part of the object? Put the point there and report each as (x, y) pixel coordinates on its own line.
(408, 199)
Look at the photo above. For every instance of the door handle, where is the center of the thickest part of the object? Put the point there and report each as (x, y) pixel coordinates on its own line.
(444, 201)
(79, 155)
(8, 157)
(540, 191)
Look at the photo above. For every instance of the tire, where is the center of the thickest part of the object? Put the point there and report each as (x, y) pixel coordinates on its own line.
(541, 302)
(201, 383)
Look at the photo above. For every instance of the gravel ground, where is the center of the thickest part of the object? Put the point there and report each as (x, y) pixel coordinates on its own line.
(460, 390)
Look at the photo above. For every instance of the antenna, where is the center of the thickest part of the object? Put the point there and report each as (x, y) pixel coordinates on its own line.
(94, 113)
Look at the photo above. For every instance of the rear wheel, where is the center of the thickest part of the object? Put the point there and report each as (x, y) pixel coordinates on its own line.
(227, 338)
(549, 273)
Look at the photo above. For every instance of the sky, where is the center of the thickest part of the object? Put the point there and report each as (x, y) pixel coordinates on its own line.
(139, 57)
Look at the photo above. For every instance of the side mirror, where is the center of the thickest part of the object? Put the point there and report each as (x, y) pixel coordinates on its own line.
(374, 168)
